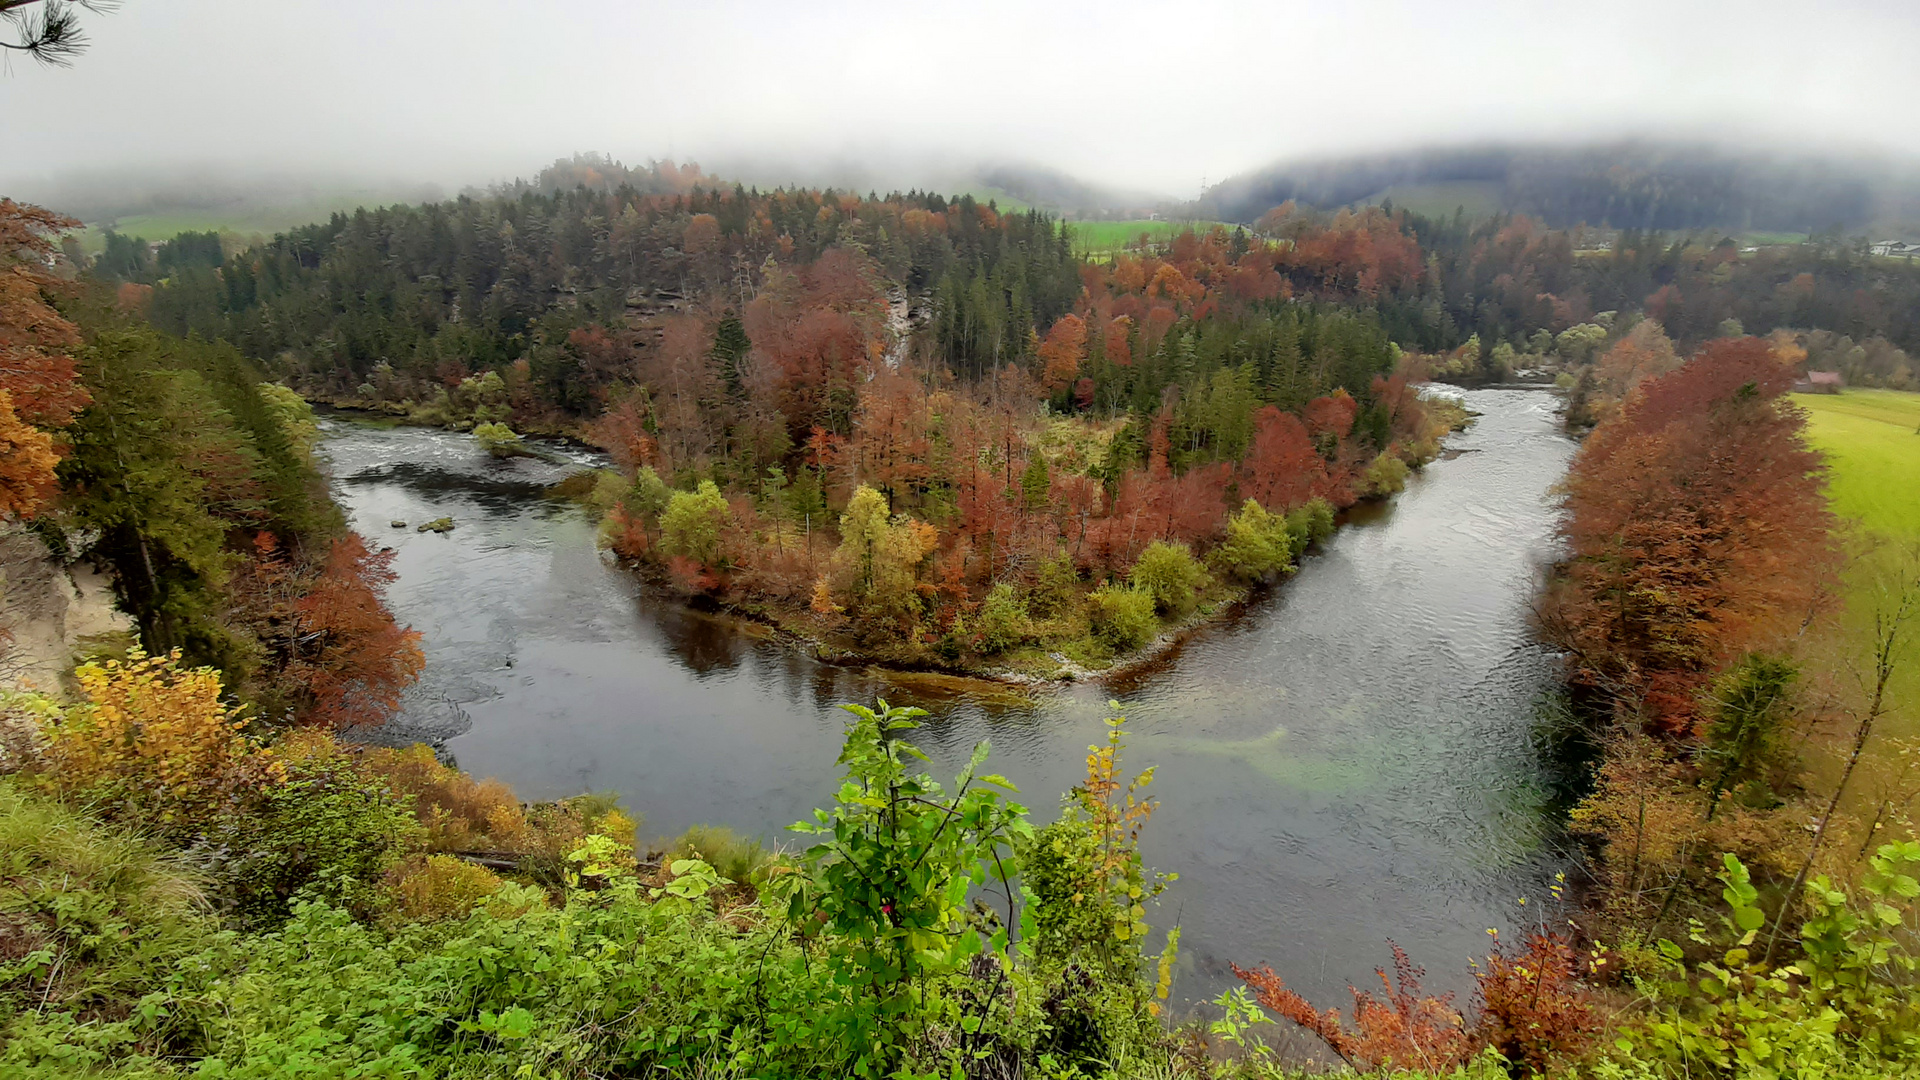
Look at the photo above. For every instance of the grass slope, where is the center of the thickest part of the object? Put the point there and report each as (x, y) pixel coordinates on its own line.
(1106, 237)
(1872, 442)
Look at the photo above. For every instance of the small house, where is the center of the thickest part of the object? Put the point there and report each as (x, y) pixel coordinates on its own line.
(1820, 382)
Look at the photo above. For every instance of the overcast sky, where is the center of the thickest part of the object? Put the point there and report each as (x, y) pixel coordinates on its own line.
(1153, 95)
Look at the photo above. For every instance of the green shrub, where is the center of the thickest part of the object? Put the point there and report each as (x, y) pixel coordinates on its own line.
(691, 526)
(889, 880)
(1122, 616)
(1056, 589)
(1002, 621)
(1308, 525)
(328, 832)
(433, 888)
(649, 495)
(1386, 476)
(734, 857)
(497, 439)
(1171, 574)
(1847, 1001)
(1257, 545)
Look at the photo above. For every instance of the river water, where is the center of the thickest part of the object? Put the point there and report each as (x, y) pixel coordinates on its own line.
(1348, 761)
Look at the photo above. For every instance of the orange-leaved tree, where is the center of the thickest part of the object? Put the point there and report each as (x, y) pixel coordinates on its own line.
(339, 658)
(353, 660)
(1698, 530)
(38, 390)
(1062, 351)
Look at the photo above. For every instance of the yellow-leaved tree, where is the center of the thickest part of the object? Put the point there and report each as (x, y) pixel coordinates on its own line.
(877, 566)
(153, 739)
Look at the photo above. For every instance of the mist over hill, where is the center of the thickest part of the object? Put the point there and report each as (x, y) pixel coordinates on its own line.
(1639, 185)
(1636, 184)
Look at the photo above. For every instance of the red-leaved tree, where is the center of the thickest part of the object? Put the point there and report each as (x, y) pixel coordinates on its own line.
(1698, 528)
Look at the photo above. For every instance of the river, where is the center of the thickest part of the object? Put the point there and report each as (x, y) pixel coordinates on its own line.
(1349, 760)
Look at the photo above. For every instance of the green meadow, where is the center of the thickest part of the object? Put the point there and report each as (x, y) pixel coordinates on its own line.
(1103, 238)
(1872, 442)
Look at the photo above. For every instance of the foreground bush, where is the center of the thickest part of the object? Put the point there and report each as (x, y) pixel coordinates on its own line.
(865, 956)
(91, 916)
(153, 743)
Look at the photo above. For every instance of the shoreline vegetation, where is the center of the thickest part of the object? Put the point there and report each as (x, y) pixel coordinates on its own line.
(1203, 599)
(1208, 599)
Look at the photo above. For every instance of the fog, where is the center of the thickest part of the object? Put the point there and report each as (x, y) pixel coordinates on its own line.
(1148, 96)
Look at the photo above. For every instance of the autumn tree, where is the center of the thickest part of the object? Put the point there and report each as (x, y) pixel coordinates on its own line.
(878, 562)
(1282, 469)
(346, 655)
(38, 390)
(891, 430)
(1698, 528)
(822, 328)
(1644, 353)
(1061, 353)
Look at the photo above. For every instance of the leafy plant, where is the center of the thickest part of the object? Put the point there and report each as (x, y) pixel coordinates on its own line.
(1122, 616)
(886, 885)
(1849, 997)
(1170, 574)
(1402, 1029)
(325, 831)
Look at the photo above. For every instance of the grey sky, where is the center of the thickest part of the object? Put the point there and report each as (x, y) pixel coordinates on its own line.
(1157, 95)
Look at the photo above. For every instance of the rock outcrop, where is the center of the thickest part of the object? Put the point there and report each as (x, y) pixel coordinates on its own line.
(48, 611)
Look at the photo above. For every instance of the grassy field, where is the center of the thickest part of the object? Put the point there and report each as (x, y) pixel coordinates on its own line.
(1873, 454)
(247, 222)
(1106, 237)
(1771, 239)
(1872, 442)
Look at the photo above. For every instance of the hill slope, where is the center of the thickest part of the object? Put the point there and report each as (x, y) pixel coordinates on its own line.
(1639, 185)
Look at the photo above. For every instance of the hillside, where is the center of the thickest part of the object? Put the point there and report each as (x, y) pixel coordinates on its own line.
(1638, 185)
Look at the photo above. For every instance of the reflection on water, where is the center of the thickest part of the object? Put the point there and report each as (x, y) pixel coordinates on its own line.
(1345, 761)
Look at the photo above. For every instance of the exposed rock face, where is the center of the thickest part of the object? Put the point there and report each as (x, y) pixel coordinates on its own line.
(46, 611)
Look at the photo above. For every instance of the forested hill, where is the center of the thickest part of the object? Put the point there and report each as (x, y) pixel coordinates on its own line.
(423, 294)
(1620, 185)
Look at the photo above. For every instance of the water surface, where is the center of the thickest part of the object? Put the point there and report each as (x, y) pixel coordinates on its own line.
(1349, 760)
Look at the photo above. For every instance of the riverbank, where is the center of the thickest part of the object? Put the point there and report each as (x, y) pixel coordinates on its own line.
(802, 631)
